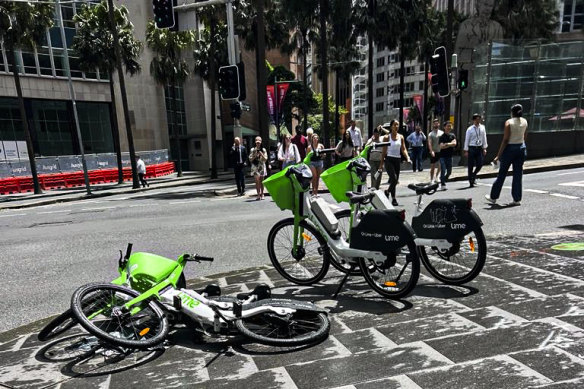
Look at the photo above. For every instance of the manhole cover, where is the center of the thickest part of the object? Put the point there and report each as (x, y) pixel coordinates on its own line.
(577, 246)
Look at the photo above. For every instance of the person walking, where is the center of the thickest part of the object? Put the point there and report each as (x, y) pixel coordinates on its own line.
(288, 152)
(258, 157)
(316, 163)
(391, 156)
(417, 139)
(141, 168)
(512, 151)
(300, 141)
(238, 159)
(375, 156)
(356, 137)
(475, 148)
(434, 148)
(345, 149)
(447, 145)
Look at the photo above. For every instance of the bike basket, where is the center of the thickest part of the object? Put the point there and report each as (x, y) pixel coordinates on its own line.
(280, 188)
(338, 180)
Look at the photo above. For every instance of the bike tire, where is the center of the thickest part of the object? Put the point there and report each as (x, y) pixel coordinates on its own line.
(337, 261)
(387, 273)
(57, 326)
(301, 328)
(280, 244)
(454, 269)
(123, 332)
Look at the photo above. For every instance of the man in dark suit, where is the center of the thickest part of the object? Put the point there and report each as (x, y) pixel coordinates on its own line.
(238, 159)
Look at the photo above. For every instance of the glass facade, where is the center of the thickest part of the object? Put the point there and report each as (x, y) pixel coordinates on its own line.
(547, 79)
(179, 120)
(47, 59)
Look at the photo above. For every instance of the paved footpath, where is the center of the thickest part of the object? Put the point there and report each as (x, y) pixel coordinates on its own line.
(520, 324)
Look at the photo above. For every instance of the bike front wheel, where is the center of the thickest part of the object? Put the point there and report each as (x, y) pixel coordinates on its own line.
(459, 264)
(143, 325)
(307, 264)
(57, 326)
(298, 328)
(396, 276)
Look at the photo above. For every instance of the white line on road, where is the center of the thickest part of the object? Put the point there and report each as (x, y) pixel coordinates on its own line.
(14, 214)
(566, 174)
(537, 191)
(184, 202)
(564, 196)
(575, 183)
(64, 210)
(97, 209)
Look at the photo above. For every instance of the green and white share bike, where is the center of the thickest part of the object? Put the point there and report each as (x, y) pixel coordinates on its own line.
(302, 247)
(120, 316)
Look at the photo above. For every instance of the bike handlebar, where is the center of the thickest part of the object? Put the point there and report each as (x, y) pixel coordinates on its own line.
(324, 151)
(128, 251)
(379, 144)
(199, 258)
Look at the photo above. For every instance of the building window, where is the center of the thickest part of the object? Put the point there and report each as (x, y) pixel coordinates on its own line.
(381, 61)
(10, 123)
(379, 107)
(181, 119)
(95, 126)
(53, 128)
(379, 92)
(380, 76)
(573, 15)
(421, 85)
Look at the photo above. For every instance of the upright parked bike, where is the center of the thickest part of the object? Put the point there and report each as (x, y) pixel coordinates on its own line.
(300, 247)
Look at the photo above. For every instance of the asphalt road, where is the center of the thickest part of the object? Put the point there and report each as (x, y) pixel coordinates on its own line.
(46, 252)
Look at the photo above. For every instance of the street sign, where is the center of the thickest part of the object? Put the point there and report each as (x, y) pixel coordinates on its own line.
(245, 106)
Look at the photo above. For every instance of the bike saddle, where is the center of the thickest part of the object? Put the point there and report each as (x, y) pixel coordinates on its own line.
(424, 188)
(355, 198)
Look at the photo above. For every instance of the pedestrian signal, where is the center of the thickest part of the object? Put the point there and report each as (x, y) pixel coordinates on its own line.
(229, 82)
(440, 75)
(163, 13)
(462, 79)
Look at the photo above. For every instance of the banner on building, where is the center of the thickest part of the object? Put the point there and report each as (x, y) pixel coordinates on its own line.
(271, 100)
(282, 90)
(419, 103)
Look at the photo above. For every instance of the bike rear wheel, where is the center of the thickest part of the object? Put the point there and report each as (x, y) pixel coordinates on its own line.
(396, 276)
(107, 318)
(461, 263)
(309, 264)
(298, 328)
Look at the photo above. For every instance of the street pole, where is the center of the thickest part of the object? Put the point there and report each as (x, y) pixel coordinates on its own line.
(72, 97)
(277, 111)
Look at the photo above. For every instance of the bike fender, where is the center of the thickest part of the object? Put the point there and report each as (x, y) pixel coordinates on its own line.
(285, 303)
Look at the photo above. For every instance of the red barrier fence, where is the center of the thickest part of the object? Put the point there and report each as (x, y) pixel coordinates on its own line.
(69, 180)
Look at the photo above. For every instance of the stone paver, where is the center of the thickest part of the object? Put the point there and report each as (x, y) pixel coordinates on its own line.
(519, 324)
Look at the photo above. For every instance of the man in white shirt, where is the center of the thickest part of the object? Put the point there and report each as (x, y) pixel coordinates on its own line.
(355, 133)
(475, 147)
(141, 168)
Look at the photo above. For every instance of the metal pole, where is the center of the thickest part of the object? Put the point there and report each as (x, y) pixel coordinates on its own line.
(72, 96)
(230, 34)
(277, 110)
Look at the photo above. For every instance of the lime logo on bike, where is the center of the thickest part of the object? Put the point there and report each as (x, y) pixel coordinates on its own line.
(188, 300)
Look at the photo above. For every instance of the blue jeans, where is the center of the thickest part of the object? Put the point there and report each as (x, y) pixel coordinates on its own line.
(514, 154)
(417, 158)
(475, 161)
(445, 169)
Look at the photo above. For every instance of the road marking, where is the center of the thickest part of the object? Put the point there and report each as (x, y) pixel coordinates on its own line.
(97, 209)
(537, 191)
(575, 183)
(64, 210)
(184, 202)
(14, 214)
(566, 174)
(564, 196)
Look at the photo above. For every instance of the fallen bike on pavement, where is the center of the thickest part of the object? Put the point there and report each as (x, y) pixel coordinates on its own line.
(137, 309)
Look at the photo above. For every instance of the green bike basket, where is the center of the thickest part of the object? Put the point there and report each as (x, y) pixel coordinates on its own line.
(338, 181)
(280, 188)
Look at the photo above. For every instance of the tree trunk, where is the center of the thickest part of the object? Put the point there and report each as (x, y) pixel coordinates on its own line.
(337, 98)
(114, 31)
(25, 127)
(402, 70)
(324, 63)
(425, 101)
(305, 83)
(116, 129)
(175, 127)
(261, 72)
(213, 114)
(370, 87)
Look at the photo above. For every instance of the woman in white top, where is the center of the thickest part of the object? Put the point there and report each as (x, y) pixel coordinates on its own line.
(511, 152)
(258, 157)
(391, 155)
(316, 163)
(288, 153)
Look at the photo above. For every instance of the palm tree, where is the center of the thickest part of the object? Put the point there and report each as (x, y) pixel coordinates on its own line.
(94, 45)
(539, 19)
(23, 26)
(168, 67)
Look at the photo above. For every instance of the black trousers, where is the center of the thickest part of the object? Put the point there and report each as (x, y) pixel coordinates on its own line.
(392, 165)
(240, 177)
(475, 162)
(143, 180)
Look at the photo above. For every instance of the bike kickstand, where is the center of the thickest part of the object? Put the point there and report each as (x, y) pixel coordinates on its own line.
(344, 280)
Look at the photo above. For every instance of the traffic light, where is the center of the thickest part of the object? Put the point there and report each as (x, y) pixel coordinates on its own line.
(241, 69)
(440, 76)
(229, 82)
(163, 13)
(235, 110)
(462, 79)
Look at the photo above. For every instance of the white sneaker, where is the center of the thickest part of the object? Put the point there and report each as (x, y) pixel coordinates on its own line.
(514, 203)
(443, 187)
(490, 200)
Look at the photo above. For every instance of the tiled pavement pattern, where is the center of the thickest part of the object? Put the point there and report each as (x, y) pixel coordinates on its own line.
(520, 324)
